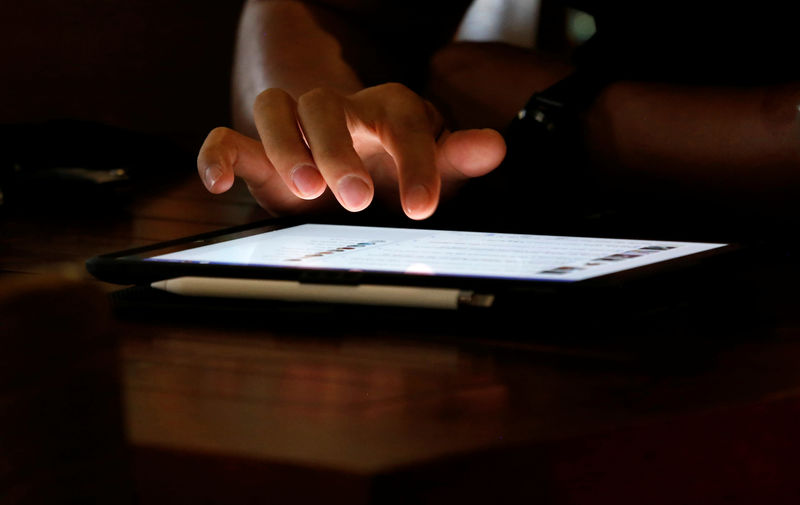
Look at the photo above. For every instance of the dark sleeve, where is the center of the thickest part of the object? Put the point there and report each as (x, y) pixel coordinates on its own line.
(403, 36)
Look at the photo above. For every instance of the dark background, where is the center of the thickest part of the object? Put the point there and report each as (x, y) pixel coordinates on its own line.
(142, 65)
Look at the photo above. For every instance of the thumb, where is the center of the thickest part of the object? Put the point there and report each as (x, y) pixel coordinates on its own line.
(469, 153)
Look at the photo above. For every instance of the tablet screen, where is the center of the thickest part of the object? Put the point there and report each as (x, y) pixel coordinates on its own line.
(437, 252)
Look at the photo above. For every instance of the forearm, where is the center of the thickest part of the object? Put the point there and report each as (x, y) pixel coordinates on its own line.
(716, 137)
(281, 44)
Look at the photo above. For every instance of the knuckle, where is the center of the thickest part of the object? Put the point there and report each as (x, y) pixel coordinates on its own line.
(452, 59)
(405, 109)
(318, 97)
(332, 151)
(220, 137)
(268, 98)
(223, 136)
(410, 119)
(397, 91)
(220, 132)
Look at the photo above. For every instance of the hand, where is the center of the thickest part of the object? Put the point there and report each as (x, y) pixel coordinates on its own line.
(359, 145)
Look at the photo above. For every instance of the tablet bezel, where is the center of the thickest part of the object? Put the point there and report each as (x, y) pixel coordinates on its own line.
(128, 267)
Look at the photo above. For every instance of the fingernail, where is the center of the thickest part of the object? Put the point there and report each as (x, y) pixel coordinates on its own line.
(308, 180)
(354, 192)
(417, 200)
(212, 175)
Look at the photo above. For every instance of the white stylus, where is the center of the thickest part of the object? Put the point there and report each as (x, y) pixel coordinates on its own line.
(368, 294)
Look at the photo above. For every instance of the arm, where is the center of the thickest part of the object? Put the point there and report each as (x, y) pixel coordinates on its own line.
(723, 138)
(723, 142)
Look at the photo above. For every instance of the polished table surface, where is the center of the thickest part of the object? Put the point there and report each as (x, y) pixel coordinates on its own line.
(305, 407)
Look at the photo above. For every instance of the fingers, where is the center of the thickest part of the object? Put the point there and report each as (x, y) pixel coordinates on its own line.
(406, 126)
(324, 123)
(276, 120)
(410, 139)
(323, 139)
(227, 153)
(426, 155)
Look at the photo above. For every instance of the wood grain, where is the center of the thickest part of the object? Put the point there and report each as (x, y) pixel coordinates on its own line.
(295, 406)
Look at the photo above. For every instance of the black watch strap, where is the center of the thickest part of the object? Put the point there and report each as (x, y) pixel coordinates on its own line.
(558, 107)
(545, 151)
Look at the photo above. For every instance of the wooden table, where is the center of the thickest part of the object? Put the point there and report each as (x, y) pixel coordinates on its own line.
(283, 410)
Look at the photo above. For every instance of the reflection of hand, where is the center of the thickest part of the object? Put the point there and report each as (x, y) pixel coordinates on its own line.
(357, 145)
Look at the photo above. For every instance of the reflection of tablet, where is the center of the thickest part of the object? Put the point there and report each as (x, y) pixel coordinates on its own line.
(393, 266)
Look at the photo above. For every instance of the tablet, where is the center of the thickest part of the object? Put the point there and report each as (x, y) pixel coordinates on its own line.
(414, 266)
